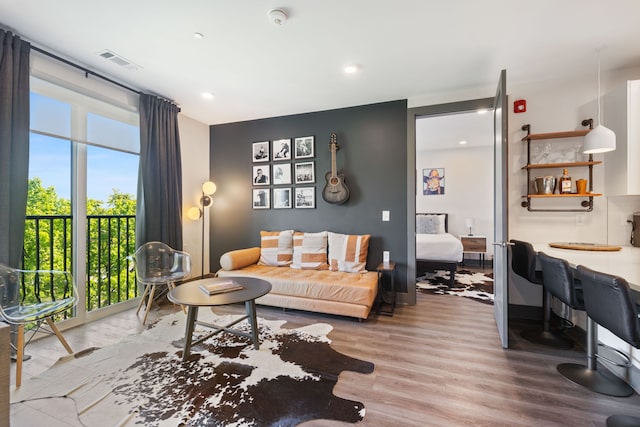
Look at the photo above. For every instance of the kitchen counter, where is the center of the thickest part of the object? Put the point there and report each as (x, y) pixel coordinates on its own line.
(624, 263)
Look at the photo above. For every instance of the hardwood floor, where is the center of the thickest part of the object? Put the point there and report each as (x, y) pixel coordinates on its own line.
(438, 363)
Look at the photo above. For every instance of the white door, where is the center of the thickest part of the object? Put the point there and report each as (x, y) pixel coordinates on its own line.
(501, 295)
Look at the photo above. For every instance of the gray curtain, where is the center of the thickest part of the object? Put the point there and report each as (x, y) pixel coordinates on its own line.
(159, 216)
(14, 145)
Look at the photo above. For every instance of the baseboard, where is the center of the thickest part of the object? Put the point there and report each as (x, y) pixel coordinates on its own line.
(525, 312)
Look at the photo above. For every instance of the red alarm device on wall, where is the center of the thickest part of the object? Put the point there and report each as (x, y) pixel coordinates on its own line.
(520, 106)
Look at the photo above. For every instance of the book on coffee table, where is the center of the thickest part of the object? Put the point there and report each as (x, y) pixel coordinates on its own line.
(219, 287)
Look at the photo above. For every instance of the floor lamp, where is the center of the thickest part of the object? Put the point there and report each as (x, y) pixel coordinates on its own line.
(195, 213)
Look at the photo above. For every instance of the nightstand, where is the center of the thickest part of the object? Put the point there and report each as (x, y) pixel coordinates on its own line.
(474, 245)
(388, 269)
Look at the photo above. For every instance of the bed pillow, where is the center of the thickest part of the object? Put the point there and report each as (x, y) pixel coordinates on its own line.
(276, 248)
(310, 251)
(348, 252)
(430, 224)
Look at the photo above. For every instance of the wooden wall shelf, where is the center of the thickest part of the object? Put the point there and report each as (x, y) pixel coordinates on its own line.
(560, 165)
(556, 135)
(543, 196)
(587, 204)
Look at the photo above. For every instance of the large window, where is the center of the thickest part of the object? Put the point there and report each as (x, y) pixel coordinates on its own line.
(83, 173)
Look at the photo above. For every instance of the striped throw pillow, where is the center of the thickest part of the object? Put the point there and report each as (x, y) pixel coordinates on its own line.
(348, 253)
(276, 248)
(310, 251)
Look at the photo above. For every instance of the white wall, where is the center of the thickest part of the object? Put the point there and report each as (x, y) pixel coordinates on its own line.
(194, 148)
(558, 106)
(468, 188)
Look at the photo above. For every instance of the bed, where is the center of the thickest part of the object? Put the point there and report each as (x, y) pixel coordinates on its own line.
(436, 249)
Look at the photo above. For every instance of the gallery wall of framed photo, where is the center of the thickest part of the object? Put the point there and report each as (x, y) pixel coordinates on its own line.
(283, 173)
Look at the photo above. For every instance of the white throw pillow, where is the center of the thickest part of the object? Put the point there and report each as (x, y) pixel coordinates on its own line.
(276, 248)
(348, 252)
(310, 251)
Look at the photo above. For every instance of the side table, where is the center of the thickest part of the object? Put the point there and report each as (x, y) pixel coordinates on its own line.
(390, 270)
(474, 245)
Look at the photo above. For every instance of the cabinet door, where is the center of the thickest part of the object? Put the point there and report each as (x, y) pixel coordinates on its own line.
(622, 115)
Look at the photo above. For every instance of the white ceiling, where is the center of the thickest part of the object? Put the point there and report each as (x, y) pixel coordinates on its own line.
(406, 49)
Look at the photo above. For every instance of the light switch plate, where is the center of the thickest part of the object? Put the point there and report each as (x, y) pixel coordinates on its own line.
(385, 215)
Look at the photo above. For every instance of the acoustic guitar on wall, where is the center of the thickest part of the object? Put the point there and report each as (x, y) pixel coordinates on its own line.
(335, 191)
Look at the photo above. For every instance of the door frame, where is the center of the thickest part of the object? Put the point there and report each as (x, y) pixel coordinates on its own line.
(412, 115)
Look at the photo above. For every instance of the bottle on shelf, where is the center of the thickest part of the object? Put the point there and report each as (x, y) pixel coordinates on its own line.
(565, 182)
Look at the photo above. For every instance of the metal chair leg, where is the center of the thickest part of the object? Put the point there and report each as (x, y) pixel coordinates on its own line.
(599, 380)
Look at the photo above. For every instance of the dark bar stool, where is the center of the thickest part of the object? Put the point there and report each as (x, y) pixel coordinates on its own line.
(609, 303)
(589, 376)
(523, 263)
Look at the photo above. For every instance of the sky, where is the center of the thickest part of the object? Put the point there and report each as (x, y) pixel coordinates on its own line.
(50, 160)
(107, 169)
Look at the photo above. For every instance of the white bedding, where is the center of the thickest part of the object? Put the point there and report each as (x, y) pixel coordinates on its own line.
(438, 247)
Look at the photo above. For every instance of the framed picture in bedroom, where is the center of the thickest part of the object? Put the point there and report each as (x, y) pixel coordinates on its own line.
(281, 173)
(433, 181)
(260, 198)
(304, 147)
(305, 173)
(305, 197)
(261, 175)
(281, 149)
(260, 151)
(282, 198)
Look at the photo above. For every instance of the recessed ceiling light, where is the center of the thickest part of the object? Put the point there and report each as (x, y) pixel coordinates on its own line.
(462, 142)
(351, 69)
(483, 111)
(207, 95)
(198, 36)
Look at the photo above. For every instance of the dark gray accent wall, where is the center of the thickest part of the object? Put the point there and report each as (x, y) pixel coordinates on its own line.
(372, 156)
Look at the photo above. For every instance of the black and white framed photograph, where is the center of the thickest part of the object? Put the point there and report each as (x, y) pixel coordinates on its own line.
(260, 198)
(282, 198)
(260, 151)
(281, 174)
(261, 175)
(305, 197)
(305, 173)
(281, 149)
(304, 147)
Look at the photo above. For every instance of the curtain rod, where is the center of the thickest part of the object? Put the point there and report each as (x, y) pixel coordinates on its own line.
(86, 70)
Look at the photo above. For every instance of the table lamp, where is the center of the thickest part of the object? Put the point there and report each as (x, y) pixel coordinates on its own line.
(469, 224)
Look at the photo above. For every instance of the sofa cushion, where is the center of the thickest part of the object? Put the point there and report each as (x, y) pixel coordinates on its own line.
(348, 252)
(237, 259)
(276, 248)
(310, 251)
(324, 285)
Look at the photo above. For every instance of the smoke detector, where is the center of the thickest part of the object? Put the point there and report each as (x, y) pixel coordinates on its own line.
(278, 17)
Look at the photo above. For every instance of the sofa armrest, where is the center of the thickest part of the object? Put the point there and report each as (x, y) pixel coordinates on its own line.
(234, 260)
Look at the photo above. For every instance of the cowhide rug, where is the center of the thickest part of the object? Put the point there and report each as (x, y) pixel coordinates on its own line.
(475, 285)
(142, 380)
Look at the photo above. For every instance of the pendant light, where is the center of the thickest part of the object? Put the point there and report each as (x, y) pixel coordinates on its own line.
(600, 139)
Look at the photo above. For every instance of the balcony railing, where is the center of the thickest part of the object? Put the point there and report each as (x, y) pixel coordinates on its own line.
(48, 245)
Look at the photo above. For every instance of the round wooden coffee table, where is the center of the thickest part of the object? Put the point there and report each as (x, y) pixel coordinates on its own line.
(189, 294)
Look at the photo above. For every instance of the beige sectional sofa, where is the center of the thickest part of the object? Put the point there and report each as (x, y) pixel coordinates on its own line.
(318, 290)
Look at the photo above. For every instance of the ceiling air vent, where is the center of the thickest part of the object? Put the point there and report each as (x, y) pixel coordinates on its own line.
(119, 60)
